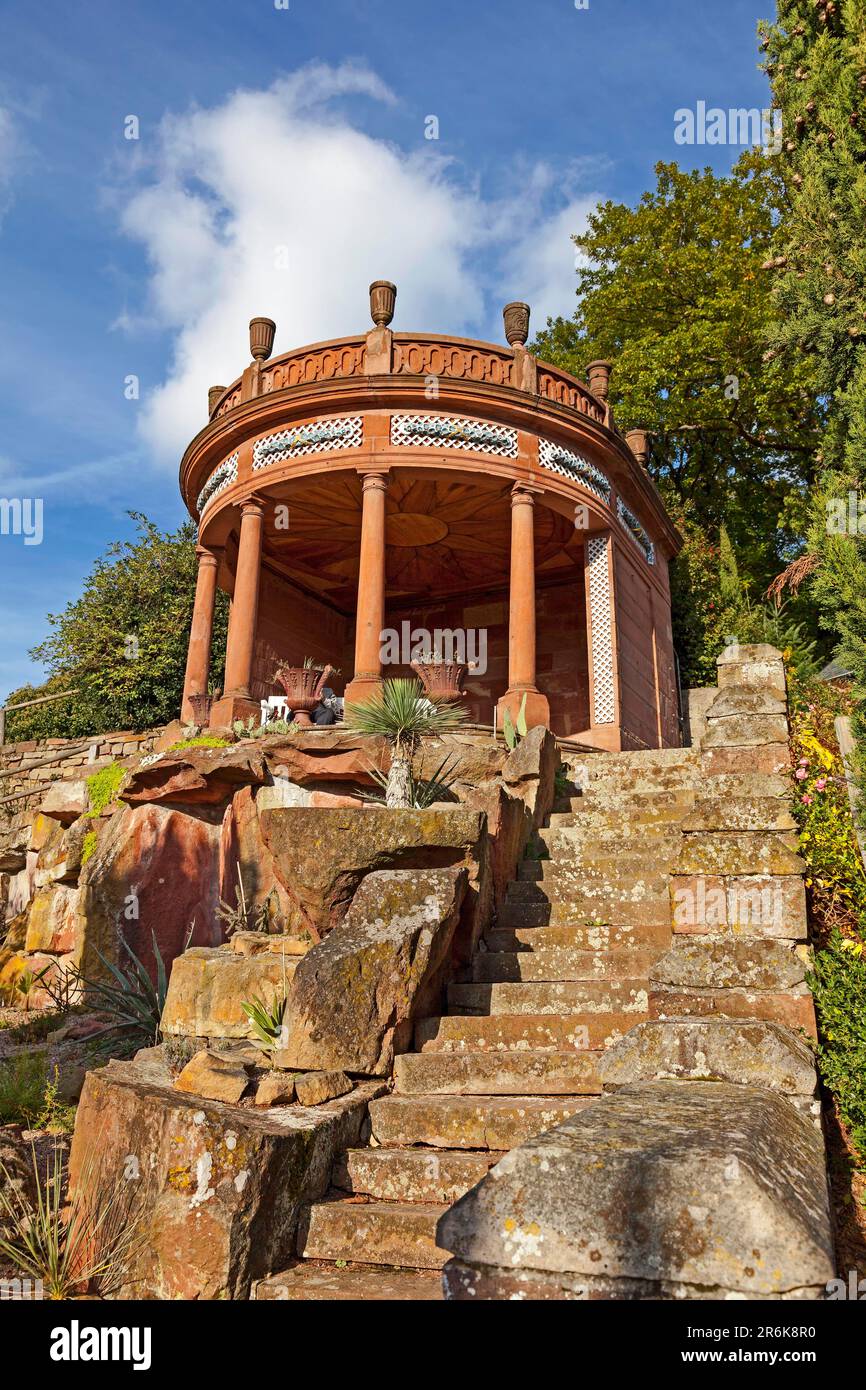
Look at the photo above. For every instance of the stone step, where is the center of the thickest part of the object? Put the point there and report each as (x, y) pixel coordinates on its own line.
(467, 1122)
(602, 761)
(412, 1175)
(550, 997)
(592, 936)
(611, 808)
(546, 1073)
(522, 1032)
(591, 860)
(564, 963)
(561, 881)
(378, 1233)
(309, 1282)
(594, 905)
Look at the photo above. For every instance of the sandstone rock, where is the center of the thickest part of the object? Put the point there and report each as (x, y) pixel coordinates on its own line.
(59, 860)
(45, 831)
(792, 1007)
(726, 963)
(321, 855)
(244, 852)
(208, 986)
(65, 801)
(737, 854)
(760, 1054)
(739, 814)
(196, 776)
(215, 1078)
(765, 759)
(530, 770)
(662, 1189)
(755, 905)
(277, 1088)
(757, 664)
(355, 994)
(54, 920)
(738, 700)
(216, 1189)
(255, 943)
(154, 871)
(14, 842)
(315, 1087)
(745, 731)
(325, 755)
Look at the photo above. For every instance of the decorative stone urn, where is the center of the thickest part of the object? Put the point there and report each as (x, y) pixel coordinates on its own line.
(441, 679)
(201, 706)
(515, 317)
(262, 338)
(598, 377)
(383, 297)
(213, 395)
(303, 686)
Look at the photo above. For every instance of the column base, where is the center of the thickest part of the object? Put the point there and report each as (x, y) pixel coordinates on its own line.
(606, 737)
(362, 688)
(537, 710)
(224, 712)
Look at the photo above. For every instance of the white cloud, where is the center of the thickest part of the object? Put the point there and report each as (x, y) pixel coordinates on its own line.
(284, 173)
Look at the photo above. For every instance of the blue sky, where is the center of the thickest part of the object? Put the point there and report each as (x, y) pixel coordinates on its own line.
(281, 165)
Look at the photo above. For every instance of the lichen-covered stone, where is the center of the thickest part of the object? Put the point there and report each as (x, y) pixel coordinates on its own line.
(216, 1189)
(54, 920)
(679, 1189)
(729, 963)
(760, 1054)
(745, 731)
(748, 700)
(208, 986)
(744, 813)
(276, 1088)
(355, 994)
(215, 1078)
(195, 776)
(315, 1087)
(720, 852)
(755, 664)
(755, 905)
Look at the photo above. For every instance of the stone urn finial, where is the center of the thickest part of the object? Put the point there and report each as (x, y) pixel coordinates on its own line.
(515, 316)
(213, 395)
(638, 442)
(598, 377)
(383, 297)
(262, 338)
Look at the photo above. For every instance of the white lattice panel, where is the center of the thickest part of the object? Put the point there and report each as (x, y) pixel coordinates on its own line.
(221, 478)
(343, 432)
(630, 523)
(574, 466)
(601, 630)
(451, 432)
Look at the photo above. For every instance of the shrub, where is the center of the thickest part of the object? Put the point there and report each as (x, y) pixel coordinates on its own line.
(102, 788)
(838, 983)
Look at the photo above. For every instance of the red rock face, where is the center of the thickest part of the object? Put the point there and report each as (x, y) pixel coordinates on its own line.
(155, 874)
(244, 850)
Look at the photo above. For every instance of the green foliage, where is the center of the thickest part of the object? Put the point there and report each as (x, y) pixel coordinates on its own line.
(128, 999)
(403, 714)
(838, 983)
(23, 1079)
(424, 791)
(514, 733)
(88, 846)
(266, 1021)
(84, 1245)
(103, 786)
(253, 728)
(123, 643)
(199, 741)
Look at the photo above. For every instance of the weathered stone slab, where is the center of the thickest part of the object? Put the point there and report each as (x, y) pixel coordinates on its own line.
(755, 905)
(54, 920)
(756, 664)
(315, 1087)
(216, 1188)
(793, 1007)
(65, 801)
(745, 731)
(215, 1078)
(195, 776)
(766, 759)
(208, 985)
(739, 814)
(276, 1088)
(321, 855)
(730, 963)
(732, 853)
(760, 1054)
(678, 1189)
(738, 700)
(355, 994)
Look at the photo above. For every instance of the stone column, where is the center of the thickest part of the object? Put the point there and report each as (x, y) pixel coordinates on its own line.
(370, 613)
(237, 702)
(201, 630)
(521, 615)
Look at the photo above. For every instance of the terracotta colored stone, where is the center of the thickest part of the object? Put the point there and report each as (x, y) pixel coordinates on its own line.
(215, 1078)
(329, 754)
(196, 776)
(736, 854)
(276, 1088)
(154, 873)
(65, 801)
(768, 759)
(724, 962)
(54, 920)
(794, 1008)
(315, 1087)
(216, 1188)
(208, 986)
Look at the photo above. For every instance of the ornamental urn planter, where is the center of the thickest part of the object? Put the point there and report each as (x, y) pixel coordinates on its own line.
(262, 338)
(515, 317)
(383, 297)
(303, 686)
(442, 680)
(201, 707)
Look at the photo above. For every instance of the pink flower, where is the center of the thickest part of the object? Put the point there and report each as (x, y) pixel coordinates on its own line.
(804, 762)
(800, 774)
(820, 784)
(806, 799)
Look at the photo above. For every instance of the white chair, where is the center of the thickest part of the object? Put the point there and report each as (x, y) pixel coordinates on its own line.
(275, 707)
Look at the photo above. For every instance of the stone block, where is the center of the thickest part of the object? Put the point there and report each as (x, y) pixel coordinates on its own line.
(659, 1190)
(732, 853)
(760, 1054)
(315, 1087)
(215, 1078)
(208, 985)
(724, 962)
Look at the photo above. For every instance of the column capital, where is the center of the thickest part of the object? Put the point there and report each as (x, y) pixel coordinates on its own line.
(254, 505)
(375, 480)
(208, 554)
(524, 492)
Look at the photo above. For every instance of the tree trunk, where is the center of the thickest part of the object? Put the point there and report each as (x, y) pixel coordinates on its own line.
(398, 792)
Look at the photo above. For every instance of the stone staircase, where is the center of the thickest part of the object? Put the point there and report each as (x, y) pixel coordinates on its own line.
(562, 975)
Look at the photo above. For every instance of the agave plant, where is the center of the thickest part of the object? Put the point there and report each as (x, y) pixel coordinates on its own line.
(423, 790)
(403, 714)
(266, 1021)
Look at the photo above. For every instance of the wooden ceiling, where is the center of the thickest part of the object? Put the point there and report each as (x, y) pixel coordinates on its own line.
(445, 536)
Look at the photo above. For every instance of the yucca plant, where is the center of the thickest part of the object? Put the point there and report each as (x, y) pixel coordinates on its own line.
(423, 790)
(266, 1021)
(85, 1246)
(403, 714)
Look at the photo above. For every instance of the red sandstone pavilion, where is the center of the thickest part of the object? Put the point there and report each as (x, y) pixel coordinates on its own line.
(348, 488)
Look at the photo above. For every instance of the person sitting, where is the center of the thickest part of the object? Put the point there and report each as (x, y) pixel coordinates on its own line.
(327, 709)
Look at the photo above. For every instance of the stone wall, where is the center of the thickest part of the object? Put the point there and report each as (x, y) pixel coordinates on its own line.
(35, 763)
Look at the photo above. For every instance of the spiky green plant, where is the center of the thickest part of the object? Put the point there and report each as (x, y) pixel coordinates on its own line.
(266, 1021)
(131, 1002)
(403, 714)
(423, 790)
(83, 1247)
(514, 733)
